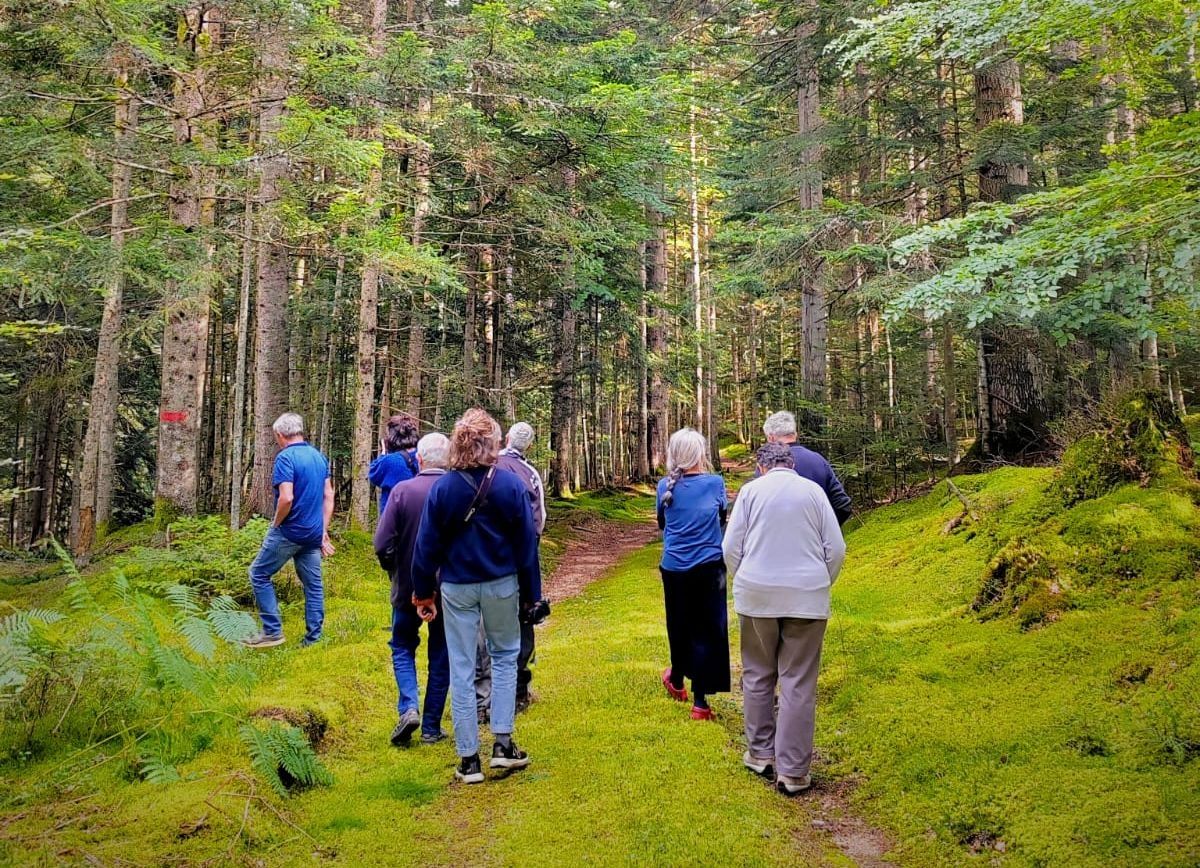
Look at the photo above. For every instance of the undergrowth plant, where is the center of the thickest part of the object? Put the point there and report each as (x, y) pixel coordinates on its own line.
(282, 756)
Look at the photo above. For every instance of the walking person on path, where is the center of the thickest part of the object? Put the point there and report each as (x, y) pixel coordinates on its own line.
(781, 428)
(395, 539)
(299, 533)
(399, 459)
(512, 458)
(691, 513)
(478, 531)
(784, 549)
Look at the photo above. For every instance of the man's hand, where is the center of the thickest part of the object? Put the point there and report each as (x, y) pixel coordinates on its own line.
(327, 548)
(426, 609)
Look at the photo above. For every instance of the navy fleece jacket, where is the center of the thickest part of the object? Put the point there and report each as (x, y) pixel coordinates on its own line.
(813, 465)
(500, 540)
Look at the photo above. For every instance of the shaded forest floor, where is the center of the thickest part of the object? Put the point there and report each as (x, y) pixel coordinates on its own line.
(1021, 687)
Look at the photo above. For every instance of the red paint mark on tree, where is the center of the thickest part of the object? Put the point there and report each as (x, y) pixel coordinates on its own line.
(173, 416)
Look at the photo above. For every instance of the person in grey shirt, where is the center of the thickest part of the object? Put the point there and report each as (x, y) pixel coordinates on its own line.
(784, 549)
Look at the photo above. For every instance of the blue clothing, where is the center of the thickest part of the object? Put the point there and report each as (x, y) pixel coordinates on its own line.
(389, 470)
(465, 606)
(500, 540)
(692, 523)
(276, 551)
(813, 466)
(406, 625)
(307, 469)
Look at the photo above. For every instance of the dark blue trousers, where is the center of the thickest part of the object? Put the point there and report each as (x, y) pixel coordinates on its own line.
(406, 625)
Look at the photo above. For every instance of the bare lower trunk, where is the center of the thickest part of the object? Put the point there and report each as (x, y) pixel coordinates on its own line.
(656, 340)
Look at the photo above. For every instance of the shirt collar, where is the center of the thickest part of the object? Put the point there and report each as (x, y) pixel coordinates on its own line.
(433, 471)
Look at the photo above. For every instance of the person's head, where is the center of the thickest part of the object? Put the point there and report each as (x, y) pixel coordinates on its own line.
(288, 428)
(520, 436)
(780, 427)
(475, 440)
(687, 450)
(774, 455)
(401, 432)
(433, 450)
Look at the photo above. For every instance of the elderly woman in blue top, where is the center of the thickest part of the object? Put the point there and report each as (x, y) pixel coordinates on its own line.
(691, 513)
(479, 540)
(399, 460)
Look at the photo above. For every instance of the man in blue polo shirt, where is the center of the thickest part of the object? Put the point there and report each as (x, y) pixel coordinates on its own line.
(299, 533)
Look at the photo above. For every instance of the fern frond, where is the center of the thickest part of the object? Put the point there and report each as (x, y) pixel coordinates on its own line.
(262, 757)
(199, 635)
(230, 622)
(80, 598)
(65, 559)
(185, 600)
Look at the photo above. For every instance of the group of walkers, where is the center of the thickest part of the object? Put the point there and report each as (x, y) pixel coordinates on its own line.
(459, 527)
(460, 521)
(783, 544)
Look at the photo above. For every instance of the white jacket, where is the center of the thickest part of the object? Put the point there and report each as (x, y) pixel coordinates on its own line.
(783, 547)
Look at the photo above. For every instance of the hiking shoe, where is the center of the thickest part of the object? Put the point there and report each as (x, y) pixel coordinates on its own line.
(433, 737)
(699, 713)
(760, 765)
(469, 770)
(511, 757)
(308, 643)
(409, 721)
(679, 694)
(790, 786)
(484, 716)
(262, 640)
(524, 701)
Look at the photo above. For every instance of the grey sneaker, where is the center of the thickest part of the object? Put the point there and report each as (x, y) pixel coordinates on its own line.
(433, 737)
(790, 786)
(409, 721)
(262, 640)
(760, 765)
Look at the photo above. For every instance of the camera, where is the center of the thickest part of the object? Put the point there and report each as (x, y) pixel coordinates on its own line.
(535, 613)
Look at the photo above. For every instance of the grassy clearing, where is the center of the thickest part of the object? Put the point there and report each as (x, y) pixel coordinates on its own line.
(1073, 741)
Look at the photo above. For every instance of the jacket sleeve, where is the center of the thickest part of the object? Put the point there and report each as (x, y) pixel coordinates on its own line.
(838, 499)
(529, 569)
(377, 475)
(385, 533)
(735, 533)
(429, 548)
(832, 541)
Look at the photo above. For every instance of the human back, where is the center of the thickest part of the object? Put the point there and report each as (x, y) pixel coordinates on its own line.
(306, 469)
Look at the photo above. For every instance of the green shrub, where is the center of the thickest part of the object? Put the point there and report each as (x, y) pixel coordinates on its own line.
(282, 756)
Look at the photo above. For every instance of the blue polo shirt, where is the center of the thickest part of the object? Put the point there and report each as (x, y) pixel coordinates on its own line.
(307, 469)
(692, 523)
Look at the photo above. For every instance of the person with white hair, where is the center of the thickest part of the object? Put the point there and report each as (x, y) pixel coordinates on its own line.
(512, 458)
(299, 533)
(395, 539)
(784, 550)
(691, 512)
(781, 428)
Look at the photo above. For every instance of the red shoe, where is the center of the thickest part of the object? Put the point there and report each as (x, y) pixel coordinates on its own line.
(679, 694)
(699, 713)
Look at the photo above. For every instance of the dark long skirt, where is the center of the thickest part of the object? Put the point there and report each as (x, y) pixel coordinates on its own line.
(698, 625)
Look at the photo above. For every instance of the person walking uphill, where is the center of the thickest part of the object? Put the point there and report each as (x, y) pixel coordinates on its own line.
(691, 513)
(784, 549)
(299, 533)
(478, 531)
(399, 460)
(395, 539)
(781, 428)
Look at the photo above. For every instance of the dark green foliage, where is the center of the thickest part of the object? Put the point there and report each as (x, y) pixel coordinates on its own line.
(282, 756)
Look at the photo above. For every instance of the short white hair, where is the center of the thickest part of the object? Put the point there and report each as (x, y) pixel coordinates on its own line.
(434, 450)
(520, 436)
(781, 424)
(687, 448)
(289, 425)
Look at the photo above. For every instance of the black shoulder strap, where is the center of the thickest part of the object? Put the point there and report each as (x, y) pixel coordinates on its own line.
(411, 462)
(481, 492)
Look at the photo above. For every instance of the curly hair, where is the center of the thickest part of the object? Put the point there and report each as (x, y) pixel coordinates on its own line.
(475, 440)
(402, 432)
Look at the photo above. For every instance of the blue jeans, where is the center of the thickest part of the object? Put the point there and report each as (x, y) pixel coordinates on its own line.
(494, 602)
(405, 640)
(276, 551)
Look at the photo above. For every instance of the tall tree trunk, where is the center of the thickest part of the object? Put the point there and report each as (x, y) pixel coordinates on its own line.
(641, 434)
(422, 170)
(185, 334)
(656, 341)
(270, 302)
(237, 459)
(368, 310)
(94, 496)
(815, 328)
(562, 386)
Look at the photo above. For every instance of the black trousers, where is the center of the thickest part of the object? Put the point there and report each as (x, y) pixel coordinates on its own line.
(698, 625)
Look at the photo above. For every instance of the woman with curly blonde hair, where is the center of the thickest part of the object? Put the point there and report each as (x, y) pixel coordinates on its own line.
(477, 546)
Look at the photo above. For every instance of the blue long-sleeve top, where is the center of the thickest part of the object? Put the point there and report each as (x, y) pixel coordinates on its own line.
(814, 466)
(389, 470)
(500, 540)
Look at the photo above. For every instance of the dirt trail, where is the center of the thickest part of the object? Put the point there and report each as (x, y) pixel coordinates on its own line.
(595, 545)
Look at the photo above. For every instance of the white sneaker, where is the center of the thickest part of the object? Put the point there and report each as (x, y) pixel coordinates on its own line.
(764, 766)
(790, 786)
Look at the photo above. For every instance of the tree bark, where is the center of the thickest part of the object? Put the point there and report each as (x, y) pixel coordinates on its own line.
(812, 198)
(656, 341)
(562, 386)
(237, 449)
(94, 497)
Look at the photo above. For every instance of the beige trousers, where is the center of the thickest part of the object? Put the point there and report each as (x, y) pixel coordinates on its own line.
(786, 651)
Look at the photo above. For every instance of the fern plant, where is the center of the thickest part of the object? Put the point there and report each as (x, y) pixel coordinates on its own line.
(283, 757)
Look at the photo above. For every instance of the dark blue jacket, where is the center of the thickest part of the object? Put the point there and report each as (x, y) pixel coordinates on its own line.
(389, 470)
(396, 534)
(500, 540)
(812, 465)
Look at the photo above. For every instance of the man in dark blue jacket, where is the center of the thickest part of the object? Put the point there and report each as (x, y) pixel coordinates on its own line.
(781, 428)
(478, 545)
(395, 540)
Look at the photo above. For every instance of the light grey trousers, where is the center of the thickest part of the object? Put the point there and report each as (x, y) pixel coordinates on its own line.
(786, 651)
